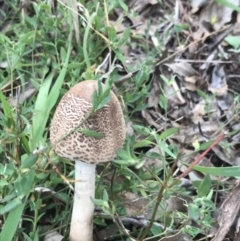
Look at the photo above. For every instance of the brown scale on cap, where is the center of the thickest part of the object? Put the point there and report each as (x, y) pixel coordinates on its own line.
(75, 105)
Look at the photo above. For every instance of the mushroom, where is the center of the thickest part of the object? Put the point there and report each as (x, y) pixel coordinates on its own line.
(85, 150)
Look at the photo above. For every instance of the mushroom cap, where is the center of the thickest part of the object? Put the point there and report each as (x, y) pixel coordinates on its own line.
(75, 105)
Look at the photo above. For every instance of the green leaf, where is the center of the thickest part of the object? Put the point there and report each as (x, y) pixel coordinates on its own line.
(152, 185)
(112, 35)
(233, 40)
(180, 27)
(124, 154)
(7, 169)
(202, 94)
(3, 183)
(228, 4)
(10, 226)
(209, 197)
(193, 211)
(88, 74)
(24, 182)
(10, 205)
(127, 162)
(156, 229)
(6, 107)
(169, 132)
(141, 130)
(100, 222)
(168, 82)
(124, 6)
(205, 145)
(103, 102)
(191, 230)
(204, 187)
(163, 102)
(166, 148)
(125, 37)
(92, 133)
(36, 235)
(99, 88)
(95, 100)
(8, 197)
(142, 143)
(220, 171)
(103, 95)
(29, 161)
(119, 55)
(105, 195)
(63, 54)
(232, 133)
(25, 144)
(26, 237)
(99, 202)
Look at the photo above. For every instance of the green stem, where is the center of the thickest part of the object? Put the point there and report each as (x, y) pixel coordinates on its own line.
(159, 199)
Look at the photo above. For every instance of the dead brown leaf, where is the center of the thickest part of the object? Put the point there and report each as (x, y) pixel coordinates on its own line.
(218, 84)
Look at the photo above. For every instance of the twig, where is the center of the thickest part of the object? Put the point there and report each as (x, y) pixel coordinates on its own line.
(198, 159)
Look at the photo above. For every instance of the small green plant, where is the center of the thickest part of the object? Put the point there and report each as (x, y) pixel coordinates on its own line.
(201, 208)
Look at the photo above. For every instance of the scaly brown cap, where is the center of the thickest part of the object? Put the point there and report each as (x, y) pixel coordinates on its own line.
(75, 105)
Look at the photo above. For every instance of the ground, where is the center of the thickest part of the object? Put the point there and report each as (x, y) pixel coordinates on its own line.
(174, 67)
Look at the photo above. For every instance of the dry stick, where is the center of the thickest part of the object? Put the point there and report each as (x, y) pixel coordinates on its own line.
(198, 159)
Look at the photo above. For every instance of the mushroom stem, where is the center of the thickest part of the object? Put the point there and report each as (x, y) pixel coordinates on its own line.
(83, 207)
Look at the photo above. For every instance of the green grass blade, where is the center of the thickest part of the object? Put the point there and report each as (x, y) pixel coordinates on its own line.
(228, 4)
(39, 116)
(50, 100)
(6, 107)
(10, 206)
(55, 91)
(11, 224)
(169, 132)
(220, 171)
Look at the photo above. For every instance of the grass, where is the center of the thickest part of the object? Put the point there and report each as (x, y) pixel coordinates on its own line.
(41, 51)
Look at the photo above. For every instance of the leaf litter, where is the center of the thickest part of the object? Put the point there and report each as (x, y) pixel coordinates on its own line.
(198, 66)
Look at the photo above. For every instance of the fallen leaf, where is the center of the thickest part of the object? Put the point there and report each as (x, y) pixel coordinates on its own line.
(218, 84)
